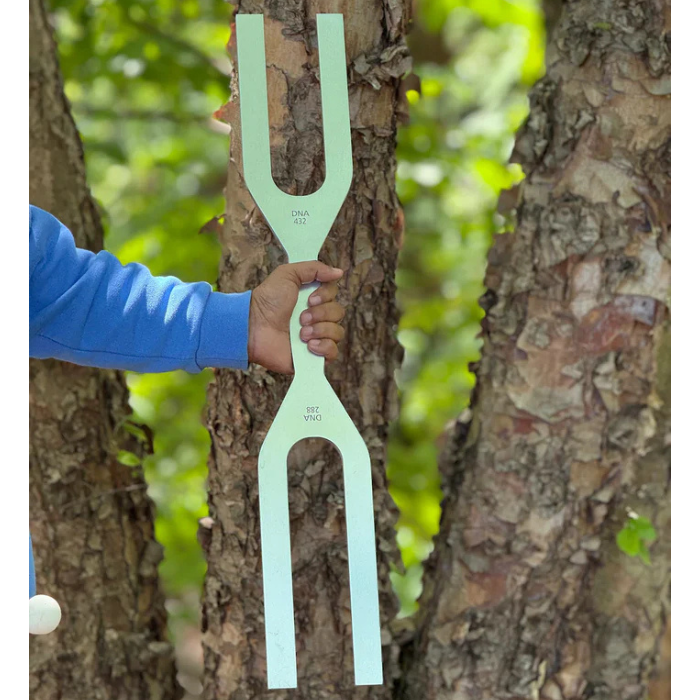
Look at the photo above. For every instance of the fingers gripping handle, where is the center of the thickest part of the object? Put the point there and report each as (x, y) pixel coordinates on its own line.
(306, 363)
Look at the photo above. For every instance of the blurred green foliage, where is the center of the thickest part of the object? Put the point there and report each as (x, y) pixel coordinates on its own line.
(476, 60)
(144, 78)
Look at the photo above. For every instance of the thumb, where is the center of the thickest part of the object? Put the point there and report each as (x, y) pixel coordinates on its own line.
(312, 270)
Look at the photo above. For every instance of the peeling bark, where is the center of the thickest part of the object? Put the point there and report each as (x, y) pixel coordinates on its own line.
(526, 594)
(91, 519)
(364, 240)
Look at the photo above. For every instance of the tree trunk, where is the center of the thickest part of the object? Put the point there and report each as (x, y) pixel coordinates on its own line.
(527, 594)
(91, 519)
(363, 241)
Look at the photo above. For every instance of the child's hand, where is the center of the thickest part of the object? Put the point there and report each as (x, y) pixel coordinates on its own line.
(271, 307)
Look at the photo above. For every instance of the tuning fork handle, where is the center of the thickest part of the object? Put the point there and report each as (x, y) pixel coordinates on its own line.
(306, 363)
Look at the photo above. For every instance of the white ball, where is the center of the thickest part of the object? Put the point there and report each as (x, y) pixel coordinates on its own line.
(44, 614)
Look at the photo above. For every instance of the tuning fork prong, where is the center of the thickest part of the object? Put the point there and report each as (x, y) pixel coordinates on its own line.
(301, 223)
(315, 411)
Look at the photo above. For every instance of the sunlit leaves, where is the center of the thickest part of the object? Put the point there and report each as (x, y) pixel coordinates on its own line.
(412, 96)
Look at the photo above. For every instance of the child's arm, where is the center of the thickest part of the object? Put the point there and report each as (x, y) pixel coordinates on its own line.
(90, 309)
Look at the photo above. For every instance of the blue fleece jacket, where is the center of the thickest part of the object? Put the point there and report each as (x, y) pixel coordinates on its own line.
(89, 309)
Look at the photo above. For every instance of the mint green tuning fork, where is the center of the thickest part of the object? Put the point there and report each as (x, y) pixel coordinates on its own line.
(311, 407)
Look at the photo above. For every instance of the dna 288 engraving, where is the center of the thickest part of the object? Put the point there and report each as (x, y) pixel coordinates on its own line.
(312, 414)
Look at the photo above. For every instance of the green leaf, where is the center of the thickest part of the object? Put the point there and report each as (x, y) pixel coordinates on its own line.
(628, 541)
(128, 459)
(644, 554)
(644, 529)
(136, 431)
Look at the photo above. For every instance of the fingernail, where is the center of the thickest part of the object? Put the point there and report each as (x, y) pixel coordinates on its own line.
(315, 344)
(306, 317)
(339, 269)
(314, 300)
(307, 332)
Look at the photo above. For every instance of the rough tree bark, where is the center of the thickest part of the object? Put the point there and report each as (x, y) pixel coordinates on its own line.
(363, 241)
(527, 594)
(91, 519)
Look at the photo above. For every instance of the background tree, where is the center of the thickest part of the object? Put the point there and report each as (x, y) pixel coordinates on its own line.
(543, 582)
(90, 516)
(364, 240)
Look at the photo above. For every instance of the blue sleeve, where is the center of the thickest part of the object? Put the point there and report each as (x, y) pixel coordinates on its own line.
(89, 309)
(32, 575)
